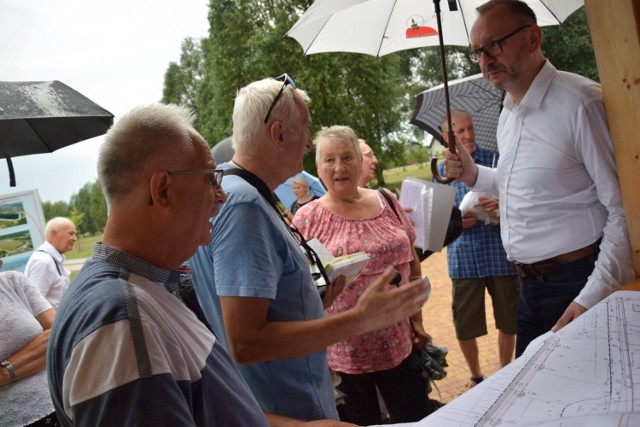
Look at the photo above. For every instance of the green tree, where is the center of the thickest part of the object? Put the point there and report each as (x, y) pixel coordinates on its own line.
(55, 209)
(97, 207)
(246, 43)
(181, 81)
(568, 46)
(82, 204)
(76, 217)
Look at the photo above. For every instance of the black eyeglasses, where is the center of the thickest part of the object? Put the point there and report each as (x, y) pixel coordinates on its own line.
(286, 80)
(215, 175)
(493, 48)
(314, 259)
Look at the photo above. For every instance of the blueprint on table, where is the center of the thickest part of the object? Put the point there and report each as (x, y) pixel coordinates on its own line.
(586, 374)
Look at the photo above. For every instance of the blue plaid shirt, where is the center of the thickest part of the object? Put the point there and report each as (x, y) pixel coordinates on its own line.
(478, 252)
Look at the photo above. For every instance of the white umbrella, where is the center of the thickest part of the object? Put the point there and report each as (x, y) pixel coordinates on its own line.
(472, 94)
(380, 27)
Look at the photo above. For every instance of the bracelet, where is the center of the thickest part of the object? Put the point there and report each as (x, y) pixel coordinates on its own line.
(9, 367)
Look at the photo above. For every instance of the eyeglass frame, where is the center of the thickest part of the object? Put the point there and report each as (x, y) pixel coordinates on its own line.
(473, 55)
(286, 79)
(311, 254)
(369, 154)
(217, 174)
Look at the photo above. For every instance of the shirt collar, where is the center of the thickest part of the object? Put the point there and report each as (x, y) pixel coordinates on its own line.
(134, 265)
(537, 90)
(51, 250)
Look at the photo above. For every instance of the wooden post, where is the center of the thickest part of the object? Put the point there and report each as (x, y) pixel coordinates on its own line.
(615, 32)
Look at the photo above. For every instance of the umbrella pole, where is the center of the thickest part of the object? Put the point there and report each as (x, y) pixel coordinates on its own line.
(450, 134)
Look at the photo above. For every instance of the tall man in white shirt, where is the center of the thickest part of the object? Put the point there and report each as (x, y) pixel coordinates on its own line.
(45, 266)
(561, 213)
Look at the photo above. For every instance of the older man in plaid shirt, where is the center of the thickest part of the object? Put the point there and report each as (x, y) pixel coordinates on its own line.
(477, 261)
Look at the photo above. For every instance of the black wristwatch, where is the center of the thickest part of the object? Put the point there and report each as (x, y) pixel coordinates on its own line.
(12, 374)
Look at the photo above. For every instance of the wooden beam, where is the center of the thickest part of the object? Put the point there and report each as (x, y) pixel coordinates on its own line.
(615, 32)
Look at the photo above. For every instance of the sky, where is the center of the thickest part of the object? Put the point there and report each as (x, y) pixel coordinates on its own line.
(114, 52)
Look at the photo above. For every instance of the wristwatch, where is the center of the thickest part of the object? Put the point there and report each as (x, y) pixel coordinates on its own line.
(12, 374)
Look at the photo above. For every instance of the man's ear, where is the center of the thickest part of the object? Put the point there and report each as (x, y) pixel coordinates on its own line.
(159, 188)
(535, 39)
(276, 132)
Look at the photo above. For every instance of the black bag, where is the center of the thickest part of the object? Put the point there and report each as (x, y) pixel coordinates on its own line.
(454, 229)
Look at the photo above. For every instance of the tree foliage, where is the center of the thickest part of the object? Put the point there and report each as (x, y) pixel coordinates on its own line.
(54, 209)
(89, 207)
(568, 46)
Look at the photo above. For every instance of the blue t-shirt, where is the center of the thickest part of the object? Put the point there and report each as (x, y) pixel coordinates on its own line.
(478, 252)
(124, 351)
(253, 254)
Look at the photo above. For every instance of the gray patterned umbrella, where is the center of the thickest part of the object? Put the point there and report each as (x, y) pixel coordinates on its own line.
(472, 94)
(41, 117)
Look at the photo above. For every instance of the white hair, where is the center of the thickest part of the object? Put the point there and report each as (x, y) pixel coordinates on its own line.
(54, 225)
(337, 133)
(251, 106)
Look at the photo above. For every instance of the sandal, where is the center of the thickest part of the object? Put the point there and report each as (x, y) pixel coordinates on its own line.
(473, 381)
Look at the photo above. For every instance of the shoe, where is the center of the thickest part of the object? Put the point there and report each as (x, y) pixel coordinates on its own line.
(473, 381)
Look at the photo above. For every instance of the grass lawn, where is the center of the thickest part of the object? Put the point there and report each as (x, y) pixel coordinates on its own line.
(393, 177)
(83, 248)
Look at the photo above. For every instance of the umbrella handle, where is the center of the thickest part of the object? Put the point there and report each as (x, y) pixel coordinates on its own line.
(12, 173)
(434, 162)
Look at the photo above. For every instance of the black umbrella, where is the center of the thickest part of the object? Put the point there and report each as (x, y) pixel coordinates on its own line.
(41, 117)
(222, 151)
(472, 94)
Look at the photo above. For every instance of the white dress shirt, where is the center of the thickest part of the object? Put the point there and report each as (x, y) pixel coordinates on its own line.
(45, 268)
(557, 182)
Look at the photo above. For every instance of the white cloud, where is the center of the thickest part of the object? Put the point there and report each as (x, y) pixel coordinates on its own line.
(115, 53)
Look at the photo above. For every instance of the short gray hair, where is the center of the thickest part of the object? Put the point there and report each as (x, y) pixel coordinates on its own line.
(444, 123)
(251, 106)
(337, 133)
(133, 138)
(517, 9)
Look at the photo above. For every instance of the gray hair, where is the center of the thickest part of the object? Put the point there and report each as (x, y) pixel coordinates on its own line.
(133, 138)
(444, 124)
(251, 106)
(337, 133)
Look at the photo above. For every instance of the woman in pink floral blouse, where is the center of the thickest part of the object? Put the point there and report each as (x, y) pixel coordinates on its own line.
(349, 219)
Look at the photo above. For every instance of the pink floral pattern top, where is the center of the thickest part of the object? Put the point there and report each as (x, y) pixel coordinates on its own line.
(389, 241)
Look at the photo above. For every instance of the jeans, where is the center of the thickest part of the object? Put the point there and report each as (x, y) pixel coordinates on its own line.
(544, 299)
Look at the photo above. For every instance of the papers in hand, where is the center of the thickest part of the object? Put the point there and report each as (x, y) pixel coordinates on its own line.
(430, 205)
(348, 265)
(471, 203)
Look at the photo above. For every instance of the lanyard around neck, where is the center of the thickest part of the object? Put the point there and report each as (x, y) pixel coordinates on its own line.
(256, 182)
